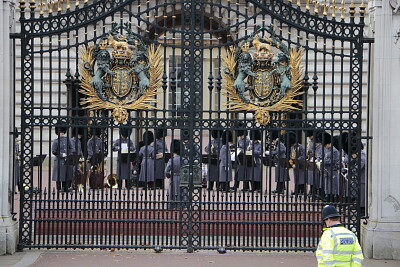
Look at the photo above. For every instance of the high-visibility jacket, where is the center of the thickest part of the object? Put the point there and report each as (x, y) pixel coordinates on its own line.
(339, 247)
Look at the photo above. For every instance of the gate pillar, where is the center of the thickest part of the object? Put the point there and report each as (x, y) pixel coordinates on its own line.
(192, 86)
(381, 235)
(8, 227)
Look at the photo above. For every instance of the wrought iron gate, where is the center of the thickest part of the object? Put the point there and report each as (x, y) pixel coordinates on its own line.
(191, 103)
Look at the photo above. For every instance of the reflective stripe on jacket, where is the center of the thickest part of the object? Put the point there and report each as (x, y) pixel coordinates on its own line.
(339, 247)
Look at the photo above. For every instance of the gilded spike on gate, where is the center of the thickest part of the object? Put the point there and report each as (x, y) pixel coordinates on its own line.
(22, 5)
(298, 3)
(362, 8)
(59, 5)
(334, 8)
(308, 5)
(32, 5)
(68, 5)
(342, 10)
(352, 9)
(50, 5)
(41, 5)
(316, 5)
(325, 13)
(77, 3)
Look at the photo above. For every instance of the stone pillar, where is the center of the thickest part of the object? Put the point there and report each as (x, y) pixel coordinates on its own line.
(8, 227)
(381, 236)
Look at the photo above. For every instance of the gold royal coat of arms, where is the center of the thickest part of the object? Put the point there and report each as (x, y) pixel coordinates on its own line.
(120, 73)
(263, 76)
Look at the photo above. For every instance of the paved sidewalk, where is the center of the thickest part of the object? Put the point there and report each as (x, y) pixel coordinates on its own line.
(97, 258)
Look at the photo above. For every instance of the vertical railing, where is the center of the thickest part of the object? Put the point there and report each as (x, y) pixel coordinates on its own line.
(192, 90)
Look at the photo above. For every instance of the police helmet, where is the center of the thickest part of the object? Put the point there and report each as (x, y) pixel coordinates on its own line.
(329, 212)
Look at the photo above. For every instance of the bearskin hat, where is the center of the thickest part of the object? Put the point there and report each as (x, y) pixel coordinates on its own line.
(125, 132)
(216, 134)
(95, 131)
(255, 135)
(61, 129)
(318, 136)
(176, 146)
(227, 137)
(241, 133)
(274, 134)
(337, 142)
(291, 138)
(78, 131)
(160, 133)
(326, 139)
(148, 137)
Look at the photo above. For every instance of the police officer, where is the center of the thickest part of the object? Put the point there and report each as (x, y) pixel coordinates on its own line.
(338, 245)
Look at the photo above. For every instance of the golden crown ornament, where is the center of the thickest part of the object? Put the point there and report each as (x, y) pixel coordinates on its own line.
(120, 73)
(263, 76)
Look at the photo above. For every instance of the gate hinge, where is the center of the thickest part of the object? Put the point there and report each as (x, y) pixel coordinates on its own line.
(368, 40)
(366, 137)
(15, 35)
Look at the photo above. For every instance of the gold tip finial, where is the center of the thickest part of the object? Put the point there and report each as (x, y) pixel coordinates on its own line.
(308, 5)
(68, 4)
(22, 4)
(41, 7)
(298, 3)
(334, 8)
(316, 6)
(325, 13)
(352, 8)
(362, 8)
(50, 6)
(32, 5)
(342, 10)
(77, 3)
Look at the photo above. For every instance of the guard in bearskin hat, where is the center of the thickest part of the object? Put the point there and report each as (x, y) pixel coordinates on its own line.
(225, 158)
(61, 148)
(125, 148)
(172, 171)
(298, 163)
(78, 176)
(96, 154)
(146, 157)
(281, 171)
(160, 148)
(243, 142)
(212, 150)
(355, 165)
(253, 160)
(330, 168)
